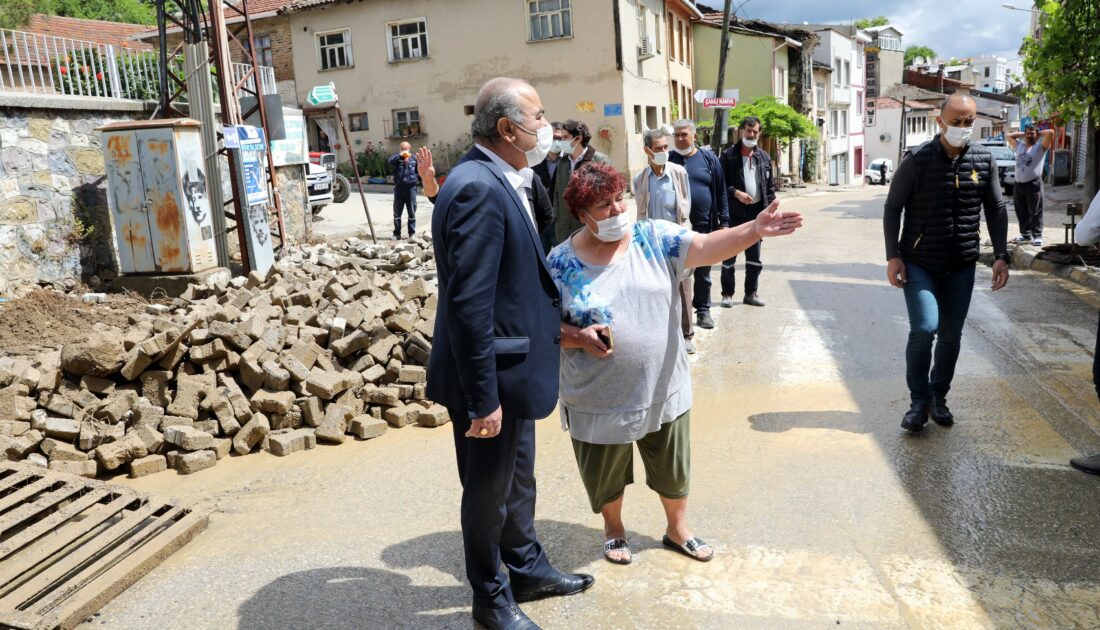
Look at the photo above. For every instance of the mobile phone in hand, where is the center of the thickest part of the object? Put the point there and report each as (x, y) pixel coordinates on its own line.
(605, 336)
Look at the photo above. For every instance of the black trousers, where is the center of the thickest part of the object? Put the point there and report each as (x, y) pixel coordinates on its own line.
(1027, 197)
(753, 266)
(498, 510)
(404, 198)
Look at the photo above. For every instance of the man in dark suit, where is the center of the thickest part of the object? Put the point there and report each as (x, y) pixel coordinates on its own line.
(748, 172)
(494, 361)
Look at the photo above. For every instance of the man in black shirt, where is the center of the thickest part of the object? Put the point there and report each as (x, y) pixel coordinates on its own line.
(941, 189)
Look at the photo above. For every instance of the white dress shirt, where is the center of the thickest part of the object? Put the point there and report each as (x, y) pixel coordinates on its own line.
(1088, 230)
(751, 189)
(515, 179)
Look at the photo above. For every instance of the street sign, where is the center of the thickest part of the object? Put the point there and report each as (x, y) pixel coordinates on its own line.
(613, 109)
(322, 95)
(702, 95)
(719, 103)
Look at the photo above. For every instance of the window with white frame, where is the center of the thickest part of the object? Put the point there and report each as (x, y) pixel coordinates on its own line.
(358, 122)
(820, 95)
(847, 72)
(334, 49)
(843, 132)
(859, 103)
(834, 123)
(403, 119)
(837, 78)
(408, 40)
(549, 19)
(859, 56)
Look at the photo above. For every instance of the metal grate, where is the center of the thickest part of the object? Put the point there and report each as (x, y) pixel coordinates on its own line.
(68, 545)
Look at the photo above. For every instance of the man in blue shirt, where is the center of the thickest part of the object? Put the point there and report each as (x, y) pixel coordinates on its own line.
(709, 206)
(404, 188)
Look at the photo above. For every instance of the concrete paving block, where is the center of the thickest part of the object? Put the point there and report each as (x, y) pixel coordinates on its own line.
(86, 468)
(37, 459)
(276, 377)
(265, 401)
(251, 434)
(385, 396)
(66, 429)
(148, 465)
(97, 384)
(334, 426)
(188, 438)
(154, 387)
(284, 444)
(433, 417)
(401, 416)
(412, 374)
(189, 463)
(222, 447)
(312, 410)
(297, 370)
(366, 427)
(189, 392)
(115, 454)
(136, 363)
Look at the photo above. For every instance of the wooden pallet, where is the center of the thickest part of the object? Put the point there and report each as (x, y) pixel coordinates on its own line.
(68, 545)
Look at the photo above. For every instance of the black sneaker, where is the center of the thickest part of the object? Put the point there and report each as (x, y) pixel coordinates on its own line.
(941, 415)
(703, 320)
(915, 418)
(1090, 465)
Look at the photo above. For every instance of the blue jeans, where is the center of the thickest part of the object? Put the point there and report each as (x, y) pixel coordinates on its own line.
(937, 303)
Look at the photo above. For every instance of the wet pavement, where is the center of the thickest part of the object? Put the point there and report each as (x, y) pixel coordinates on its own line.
(822, 512)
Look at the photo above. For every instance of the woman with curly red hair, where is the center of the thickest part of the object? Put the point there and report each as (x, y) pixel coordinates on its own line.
(624, 367)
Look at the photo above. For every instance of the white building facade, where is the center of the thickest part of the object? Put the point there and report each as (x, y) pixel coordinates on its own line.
(846, 157)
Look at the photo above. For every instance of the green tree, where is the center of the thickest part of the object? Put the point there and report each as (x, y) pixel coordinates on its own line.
(912, 52)
(778, 121)
(15, 14)
(869, 22)
(1062, 67)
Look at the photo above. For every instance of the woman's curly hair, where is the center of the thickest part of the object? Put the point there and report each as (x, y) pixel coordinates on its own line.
(592, 182)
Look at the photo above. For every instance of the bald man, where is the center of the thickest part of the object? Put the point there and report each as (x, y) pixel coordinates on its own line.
(405, 179)
(936, 200)
(496, 349)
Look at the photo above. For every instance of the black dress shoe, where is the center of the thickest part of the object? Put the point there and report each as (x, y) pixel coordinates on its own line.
(508, 617)
(941, 415)
(915, 418)
(753, 300)
(1090, 465)
(560, 584)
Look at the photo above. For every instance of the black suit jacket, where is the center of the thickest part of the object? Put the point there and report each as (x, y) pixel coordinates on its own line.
(497, 340)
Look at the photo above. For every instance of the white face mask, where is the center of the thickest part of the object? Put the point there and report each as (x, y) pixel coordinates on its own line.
(660, 158)
(684, 152)
(544, 139)
(562, 147)
(749, 142)
(958, 136)
(611, 229)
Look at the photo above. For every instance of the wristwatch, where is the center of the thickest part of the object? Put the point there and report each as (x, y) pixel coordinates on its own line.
(1004, 257)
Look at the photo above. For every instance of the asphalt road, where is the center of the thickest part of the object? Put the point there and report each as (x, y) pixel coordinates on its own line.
(823, 513)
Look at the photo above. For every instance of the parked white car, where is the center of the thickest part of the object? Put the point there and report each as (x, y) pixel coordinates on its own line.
(319, 182)
(873, 173)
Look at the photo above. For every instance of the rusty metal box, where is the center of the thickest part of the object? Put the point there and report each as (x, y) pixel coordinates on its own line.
(156, 183)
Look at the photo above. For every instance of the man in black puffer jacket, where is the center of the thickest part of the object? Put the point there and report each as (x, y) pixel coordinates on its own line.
(941, 189)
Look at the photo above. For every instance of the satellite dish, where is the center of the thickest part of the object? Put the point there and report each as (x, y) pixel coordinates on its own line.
(884, 137)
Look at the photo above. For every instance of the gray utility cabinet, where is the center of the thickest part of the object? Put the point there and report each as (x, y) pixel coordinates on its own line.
(156, 183)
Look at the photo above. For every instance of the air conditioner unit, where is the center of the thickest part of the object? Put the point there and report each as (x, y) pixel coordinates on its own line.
(884, 137)
(645, 48)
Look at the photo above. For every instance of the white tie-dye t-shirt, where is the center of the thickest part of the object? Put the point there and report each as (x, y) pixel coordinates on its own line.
(646, 380)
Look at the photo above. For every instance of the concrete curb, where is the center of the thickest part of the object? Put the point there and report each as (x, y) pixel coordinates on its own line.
(1024, 258)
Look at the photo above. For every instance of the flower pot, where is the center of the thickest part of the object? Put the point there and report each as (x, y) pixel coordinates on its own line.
(376, 180)
(414, 130)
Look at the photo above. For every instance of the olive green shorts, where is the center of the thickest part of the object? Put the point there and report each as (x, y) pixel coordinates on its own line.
(606, 469)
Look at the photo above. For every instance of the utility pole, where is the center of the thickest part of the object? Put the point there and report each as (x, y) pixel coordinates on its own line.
(719, 112)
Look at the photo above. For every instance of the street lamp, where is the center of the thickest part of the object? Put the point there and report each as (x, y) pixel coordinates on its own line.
(1016, 8)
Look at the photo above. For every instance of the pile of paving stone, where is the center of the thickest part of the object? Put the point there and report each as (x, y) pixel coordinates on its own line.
(332, 342)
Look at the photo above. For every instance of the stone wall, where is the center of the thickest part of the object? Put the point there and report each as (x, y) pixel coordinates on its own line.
(54, 221)
(55, 225)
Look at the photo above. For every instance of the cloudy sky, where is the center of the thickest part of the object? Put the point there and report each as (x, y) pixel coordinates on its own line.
(952, 28)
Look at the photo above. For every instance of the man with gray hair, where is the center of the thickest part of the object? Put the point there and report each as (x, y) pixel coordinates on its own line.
(709, 206)
(495, 354)
(662, 191)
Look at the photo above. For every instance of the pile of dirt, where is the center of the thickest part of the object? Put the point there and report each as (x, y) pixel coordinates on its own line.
(46, 319)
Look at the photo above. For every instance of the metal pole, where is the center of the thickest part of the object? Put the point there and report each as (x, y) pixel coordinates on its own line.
(355, 165)
(723, 51)
(901, 135)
